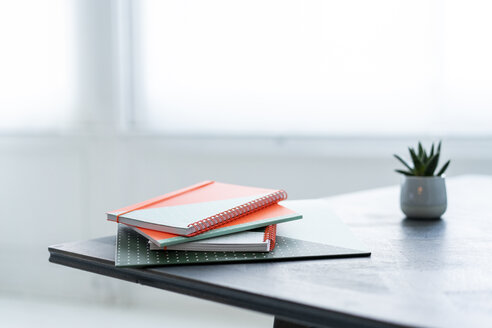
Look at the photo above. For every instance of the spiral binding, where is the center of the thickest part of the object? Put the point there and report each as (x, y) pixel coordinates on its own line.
(271, 234)
(237, 212)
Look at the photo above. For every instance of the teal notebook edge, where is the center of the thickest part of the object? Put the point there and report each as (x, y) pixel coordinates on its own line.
(227, 230)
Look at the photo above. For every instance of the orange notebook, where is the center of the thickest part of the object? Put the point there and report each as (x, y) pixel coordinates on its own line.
(199, 208)
(262, 218)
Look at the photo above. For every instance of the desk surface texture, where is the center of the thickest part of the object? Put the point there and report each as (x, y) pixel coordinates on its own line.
(435, 273)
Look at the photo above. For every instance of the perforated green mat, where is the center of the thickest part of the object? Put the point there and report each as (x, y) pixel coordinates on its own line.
(132, 250)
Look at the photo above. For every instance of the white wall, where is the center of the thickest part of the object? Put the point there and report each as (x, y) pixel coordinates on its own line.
(57, 189)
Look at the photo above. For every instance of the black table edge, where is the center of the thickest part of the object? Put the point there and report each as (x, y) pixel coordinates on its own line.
(284, 310)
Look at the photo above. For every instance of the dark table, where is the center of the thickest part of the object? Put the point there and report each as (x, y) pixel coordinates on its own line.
(435, 273)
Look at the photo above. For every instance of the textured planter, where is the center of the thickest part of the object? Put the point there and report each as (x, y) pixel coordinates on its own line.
(423, 197)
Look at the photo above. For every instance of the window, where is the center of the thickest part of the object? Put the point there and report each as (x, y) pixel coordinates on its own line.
(37, 64)
(313, 67)
(257, 67)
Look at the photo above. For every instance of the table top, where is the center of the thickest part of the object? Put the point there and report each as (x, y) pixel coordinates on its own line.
(432, 273)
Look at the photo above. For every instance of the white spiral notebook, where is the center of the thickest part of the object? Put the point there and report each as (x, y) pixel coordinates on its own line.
(258, 240)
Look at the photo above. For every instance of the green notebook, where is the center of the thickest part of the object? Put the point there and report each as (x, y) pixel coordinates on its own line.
(320, 234)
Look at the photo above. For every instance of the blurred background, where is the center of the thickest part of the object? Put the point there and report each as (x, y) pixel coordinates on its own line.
(104, 103)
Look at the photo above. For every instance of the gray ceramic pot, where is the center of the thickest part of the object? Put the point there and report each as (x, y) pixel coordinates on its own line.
(423, 197)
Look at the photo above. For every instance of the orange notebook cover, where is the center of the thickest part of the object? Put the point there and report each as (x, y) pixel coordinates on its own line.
(198, 208)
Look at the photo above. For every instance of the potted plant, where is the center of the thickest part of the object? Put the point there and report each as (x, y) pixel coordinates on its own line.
(423, 193)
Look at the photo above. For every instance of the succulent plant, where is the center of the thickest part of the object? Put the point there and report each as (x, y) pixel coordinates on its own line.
(424, 164)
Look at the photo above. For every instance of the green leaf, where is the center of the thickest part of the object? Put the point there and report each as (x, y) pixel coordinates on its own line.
(417, 163)
(432, 150)
(439, 147)
(432, 165)
(443, 169)
(403, 162)
(421, 151)
(404, 172)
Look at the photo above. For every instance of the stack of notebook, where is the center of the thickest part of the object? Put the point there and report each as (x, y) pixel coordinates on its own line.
(218, 222)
